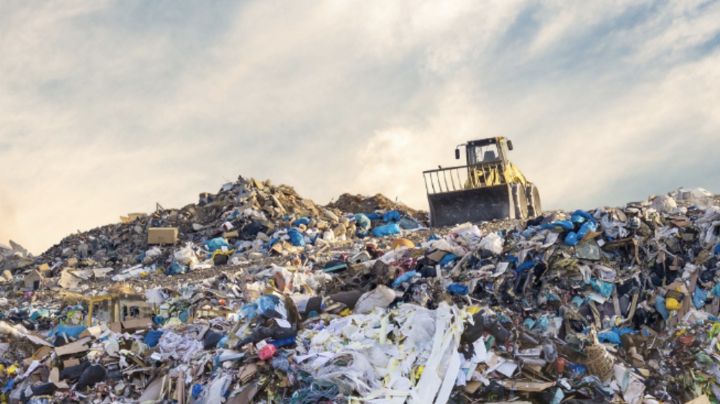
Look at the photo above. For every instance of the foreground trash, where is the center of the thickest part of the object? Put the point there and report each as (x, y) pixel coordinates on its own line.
(258, 295)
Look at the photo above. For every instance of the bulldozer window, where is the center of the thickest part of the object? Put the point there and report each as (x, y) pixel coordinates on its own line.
(484, 154)
(101, 311)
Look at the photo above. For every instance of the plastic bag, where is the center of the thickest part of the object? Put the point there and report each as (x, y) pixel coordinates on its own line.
(296, 237)
(492, 243)
(386, 230)
(392, 216)
(186, 255)
(458, 289)
(363, 222)
(216, 244)
(573, 238)
(381, 296)
(403, 278)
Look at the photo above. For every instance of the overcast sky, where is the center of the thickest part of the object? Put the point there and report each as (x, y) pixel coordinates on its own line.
(107, 107)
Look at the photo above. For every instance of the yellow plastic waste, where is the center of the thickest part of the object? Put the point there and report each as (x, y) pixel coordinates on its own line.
(714, 330)
(673, 299)
(672, 304)
(418, 372)
(221, 252)
(12, 369)
(402, 242)
(472, 310)
(346, 312)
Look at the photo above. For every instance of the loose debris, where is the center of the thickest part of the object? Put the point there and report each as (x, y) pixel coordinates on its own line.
(255, 294)
(379, 202)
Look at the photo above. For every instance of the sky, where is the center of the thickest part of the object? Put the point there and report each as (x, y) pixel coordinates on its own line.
(107, 107)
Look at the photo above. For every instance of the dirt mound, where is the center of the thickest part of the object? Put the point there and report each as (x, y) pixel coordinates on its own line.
(363, 204)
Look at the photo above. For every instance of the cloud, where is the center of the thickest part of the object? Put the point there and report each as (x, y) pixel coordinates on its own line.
(108, 107)
(8, 224)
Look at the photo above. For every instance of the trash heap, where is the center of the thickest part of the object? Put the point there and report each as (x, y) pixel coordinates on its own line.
(14, 257)
(255, 294)
(379, 202)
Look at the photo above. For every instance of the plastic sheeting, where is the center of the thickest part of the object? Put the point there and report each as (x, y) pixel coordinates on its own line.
(356, 353)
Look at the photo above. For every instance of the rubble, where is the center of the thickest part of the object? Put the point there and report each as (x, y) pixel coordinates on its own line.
(378, 202)
(264, 296)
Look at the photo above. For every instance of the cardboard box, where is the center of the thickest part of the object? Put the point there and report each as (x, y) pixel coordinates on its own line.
(231, 234)
(131, 217)
(162, 235)
(136, 324)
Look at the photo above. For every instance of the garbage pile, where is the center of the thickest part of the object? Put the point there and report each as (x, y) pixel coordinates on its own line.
(378, 202)
(255, 294)
(14, 257)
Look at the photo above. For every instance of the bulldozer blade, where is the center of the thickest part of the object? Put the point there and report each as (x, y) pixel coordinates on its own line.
(471, 205)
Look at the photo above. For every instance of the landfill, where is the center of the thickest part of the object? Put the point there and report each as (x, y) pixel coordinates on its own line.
(255, 294)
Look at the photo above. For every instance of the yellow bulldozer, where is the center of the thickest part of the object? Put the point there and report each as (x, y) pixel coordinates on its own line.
(487, 187)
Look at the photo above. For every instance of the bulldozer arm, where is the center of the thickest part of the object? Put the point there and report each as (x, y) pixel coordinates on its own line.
(478, 204)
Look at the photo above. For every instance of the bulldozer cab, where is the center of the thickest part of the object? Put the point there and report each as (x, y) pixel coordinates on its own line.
(485, 150)
(115, 306)
(487, 187)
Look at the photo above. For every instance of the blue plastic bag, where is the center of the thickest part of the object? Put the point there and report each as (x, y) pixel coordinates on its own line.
(216, 244)
(660, 307)
(272, 242)
(580, 216)
(363, 223)
(281, 342)
(223, 342)
(267, 303)
(249, 311)
(374, 216)
(386, 230)
(184, 316)
(542, 323)
(699, 297)
(72, 331)
(175, 268)
(573, 238)
(392, 216)
(447, 259)
(196, 390)
(408, 224)
(296, 238)
(458, 289)
(9, 386)
(525, 266)
(301, 221)
(577, 301)
(609, 336)
(152, 338)
(564, 224)
(403, 278)
(602, 287)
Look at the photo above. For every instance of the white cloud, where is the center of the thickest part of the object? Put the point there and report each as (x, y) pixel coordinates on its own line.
(106, 107)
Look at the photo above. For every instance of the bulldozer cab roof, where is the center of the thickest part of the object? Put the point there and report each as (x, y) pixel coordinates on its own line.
(485, 142)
